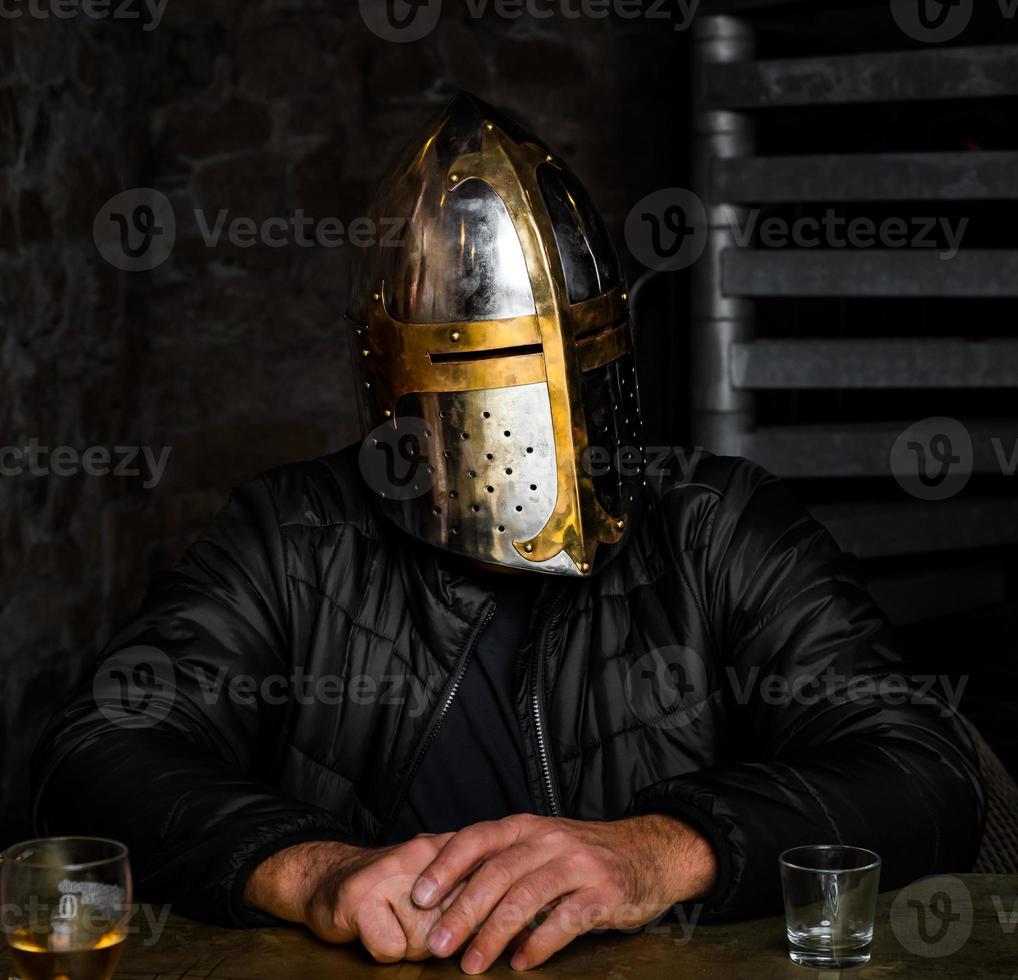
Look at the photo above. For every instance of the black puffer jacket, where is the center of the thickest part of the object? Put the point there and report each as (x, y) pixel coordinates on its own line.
(657, 684)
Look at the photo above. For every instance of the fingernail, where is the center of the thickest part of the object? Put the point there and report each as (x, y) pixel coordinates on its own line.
(440, 941)
(472, 962)
(518, 962)
(424, 891)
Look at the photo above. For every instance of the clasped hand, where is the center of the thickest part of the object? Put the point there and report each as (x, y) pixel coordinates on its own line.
(527, 883)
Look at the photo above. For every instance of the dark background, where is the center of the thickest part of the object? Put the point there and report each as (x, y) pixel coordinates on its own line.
(236, 359)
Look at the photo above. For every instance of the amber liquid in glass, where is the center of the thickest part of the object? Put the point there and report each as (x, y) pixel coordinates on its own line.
(35, 962)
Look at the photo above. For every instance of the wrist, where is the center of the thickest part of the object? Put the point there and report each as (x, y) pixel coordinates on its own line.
(284, 884)
(682, 858)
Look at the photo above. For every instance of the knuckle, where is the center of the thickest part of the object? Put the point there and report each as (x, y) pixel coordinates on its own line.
(385, 952)
(419, 851)
(559, 839)
(525, 895)
(522, 821)
(499, 873)
(586, 861)
(462, 914)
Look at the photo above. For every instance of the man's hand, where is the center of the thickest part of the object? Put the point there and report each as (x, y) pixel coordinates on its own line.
(343, 893)
(593, 875)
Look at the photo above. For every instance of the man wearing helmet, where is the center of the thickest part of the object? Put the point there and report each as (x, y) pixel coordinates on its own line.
(552, 683)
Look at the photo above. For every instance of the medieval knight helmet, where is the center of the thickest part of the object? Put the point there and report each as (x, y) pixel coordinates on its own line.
(493, 353)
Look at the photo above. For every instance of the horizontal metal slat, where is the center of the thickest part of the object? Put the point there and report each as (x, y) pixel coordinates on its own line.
(896, 76)
(807, 451)
(866, 177)
(875, 363)
(881, 530)
(989, 273)
(937, 592)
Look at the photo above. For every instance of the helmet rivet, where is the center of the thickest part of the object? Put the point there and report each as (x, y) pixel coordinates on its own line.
(387, 414)
(489, 127)
(528, 548)
(366, 352)
(625, 296)
(549, 159)
(620, 525)
(585, 567)
(376, 296)
(454, 178)
(367, 384)
(454, 336)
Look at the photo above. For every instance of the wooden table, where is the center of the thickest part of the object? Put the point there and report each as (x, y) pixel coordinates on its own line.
(974, 933)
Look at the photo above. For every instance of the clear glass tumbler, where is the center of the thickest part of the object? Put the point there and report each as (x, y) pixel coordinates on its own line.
(830, 903)
(66, 907)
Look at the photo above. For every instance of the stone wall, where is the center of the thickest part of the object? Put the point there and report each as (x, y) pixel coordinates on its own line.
(233, 358)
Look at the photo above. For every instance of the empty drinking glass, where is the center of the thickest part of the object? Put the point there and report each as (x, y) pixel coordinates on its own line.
(830, 903)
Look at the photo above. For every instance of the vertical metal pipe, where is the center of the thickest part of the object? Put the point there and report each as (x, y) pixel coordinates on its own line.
(721, 415)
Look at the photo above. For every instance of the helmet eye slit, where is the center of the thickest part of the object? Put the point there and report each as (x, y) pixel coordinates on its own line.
(459, 357)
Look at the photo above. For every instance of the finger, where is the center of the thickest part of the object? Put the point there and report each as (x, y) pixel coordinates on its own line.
(380, 931)
(453, 895)
(573, 917)
(482, 891)
(521, 904)
(460, 856)
(416, 925)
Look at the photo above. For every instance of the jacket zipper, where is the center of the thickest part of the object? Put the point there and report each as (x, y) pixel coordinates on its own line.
(537, 704)
(457, 680)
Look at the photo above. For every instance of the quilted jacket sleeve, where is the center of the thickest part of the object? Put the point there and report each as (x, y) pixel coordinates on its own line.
(163, 748)
(861, 754)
